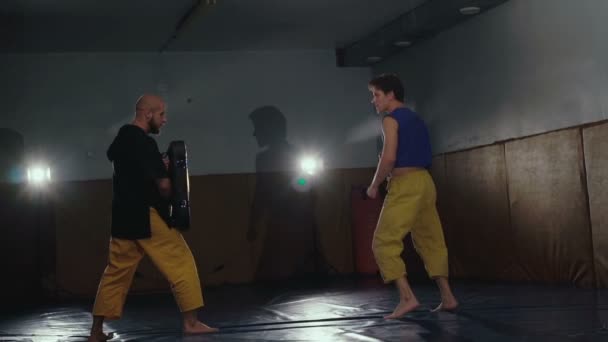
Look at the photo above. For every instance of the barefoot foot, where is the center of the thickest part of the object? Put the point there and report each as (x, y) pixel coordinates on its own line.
(447, 305)
(403, 307)
(198, 328)
(100, 337)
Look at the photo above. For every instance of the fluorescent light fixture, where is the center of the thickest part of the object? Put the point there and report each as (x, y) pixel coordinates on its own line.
(470, 10)
(402, 43)
(374, 59)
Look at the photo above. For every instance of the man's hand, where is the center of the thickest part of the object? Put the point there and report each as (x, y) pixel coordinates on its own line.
(166, 161)
(372, 192)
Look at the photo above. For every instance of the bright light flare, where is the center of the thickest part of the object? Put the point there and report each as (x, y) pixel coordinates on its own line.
(39, 175)
(311, 165)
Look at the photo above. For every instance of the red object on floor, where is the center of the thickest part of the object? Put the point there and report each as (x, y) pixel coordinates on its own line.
(365, 213)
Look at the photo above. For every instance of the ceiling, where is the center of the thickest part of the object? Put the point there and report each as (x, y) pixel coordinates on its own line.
(419, 24)
(138, 25)
(33, 26)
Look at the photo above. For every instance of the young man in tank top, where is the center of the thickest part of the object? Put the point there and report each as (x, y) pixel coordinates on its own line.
(410, 203)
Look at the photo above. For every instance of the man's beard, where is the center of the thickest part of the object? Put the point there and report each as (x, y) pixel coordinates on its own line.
(154, 130)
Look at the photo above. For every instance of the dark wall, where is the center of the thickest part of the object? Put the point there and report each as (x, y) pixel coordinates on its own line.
(529, 210)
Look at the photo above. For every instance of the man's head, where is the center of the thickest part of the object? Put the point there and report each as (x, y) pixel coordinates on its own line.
(150, 113)
(387, 92)
(269, 126)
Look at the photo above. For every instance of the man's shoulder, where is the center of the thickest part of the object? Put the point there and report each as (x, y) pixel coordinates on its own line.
(405, 115)
(136, 133)
(132, 130)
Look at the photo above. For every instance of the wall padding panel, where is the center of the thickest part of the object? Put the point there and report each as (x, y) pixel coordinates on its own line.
(479, 237)
(549, 214)
(596, 161)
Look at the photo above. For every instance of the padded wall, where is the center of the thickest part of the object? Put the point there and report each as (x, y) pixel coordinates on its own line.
(596, 162)
(480, 238)
(549, 213)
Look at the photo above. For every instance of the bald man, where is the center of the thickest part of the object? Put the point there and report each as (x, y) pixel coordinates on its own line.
(141, 188)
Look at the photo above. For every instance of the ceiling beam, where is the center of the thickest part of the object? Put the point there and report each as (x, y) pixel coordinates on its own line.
(199, 7)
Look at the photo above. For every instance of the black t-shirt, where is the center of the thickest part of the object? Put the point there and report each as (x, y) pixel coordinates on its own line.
(137, 164)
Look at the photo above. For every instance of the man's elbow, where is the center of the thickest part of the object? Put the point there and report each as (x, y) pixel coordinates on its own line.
(389, 162)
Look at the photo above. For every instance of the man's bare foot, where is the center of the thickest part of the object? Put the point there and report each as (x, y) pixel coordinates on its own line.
(447, 305)
(198, 328)
(403, 307)
(100, 337)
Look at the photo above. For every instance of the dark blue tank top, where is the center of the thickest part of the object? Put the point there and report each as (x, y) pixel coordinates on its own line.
(414, 145)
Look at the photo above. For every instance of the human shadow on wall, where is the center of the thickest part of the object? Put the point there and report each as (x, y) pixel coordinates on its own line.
(11, 163)
(282, 222)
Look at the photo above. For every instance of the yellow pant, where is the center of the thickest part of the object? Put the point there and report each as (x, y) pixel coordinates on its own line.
(167, 250)
(410, 206)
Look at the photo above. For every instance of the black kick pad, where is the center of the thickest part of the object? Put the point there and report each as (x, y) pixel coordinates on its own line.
(179, 208)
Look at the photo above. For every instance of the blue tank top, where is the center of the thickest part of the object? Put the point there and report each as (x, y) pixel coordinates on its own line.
(413, 146)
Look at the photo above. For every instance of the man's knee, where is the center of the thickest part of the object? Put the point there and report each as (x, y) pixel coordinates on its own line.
(383, 250)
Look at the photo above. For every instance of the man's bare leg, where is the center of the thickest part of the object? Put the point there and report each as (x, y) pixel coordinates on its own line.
(448, 301)
(97, 334)
(193, 326)
(407, 300)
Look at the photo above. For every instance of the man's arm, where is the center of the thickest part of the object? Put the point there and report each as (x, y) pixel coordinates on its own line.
(164, 187)
(155, 168)
(389, 154)
(259, 206)
(164, 183)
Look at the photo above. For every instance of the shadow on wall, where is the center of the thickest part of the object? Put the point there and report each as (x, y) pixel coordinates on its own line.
(11, 163)
(282, 225)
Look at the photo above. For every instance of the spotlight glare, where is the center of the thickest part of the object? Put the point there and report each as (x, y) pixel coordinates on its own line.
(311, 165)
(38, 175)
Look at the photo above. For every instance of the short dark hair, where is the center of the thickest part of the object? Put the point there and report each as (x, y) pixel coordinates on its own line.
(271, 120)
(388, 83)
